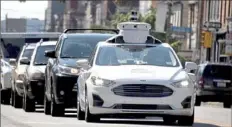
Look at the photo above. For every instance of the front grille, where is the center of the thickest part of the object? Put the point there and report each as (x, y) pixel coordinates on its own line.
(142, 90)
(142, 107)
(75, 87)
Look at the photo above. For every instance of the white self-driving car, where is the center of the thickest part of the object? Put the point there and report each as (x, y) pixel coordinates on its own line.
(5, 79)
(135, 74)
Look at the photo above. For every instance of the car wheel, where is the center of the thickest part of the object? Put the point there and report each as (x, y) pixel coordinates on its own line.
(47, 106)
(57, 109)
(17, 100)
(186, 120)
(227, 104)
(88, 116)
(169, 120)
(28, 104)
(5, 96)
(12, 98)
(80, 114)
(198, 101)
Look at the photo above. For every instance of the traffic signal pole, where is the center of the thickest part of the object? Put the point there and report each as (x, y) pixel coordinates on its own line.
(199, 30)
(169, 14)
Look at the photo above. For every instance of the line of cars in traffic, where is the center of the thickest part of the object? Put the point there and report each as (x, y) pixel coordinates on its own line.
(128, 73)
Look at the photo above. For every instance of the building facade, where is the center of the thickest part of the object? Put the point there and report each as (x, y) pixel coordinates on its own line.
(209, 11)
(74, 16)
(54, 16)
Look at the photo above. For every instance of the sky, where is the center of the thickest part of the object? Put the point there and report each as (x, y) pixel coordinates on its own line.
(29, 9)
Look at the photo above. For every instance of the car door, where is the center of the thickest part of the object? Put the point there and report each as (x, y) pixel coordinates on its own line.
(50, 68)
(84, 75)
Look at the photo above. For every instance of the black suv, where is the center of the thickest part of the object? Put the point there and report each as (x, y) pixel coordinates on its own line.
(214, 83)
(61, 71)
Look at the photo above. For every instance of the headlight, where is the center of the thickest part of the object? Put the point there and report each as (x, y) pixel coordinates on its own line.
(102, 82)
(37, 76)
(182, 84)
(68, 70)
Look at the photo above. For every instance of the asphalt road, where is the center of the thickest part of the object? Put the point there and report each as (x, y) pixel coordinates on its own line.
(209, 115)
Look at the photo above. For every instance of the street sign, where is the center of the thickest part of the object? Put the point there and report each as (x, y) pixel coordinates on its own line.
(181, 29)
(216, 25)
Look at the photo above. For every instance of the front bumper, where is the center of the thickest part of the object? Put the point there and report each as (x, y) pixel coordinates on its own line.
(103, 101)
(65, 84)
(35, 90)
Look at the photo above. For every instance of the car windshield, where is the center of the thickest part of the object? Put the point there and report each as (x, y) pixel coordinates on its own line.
(40, 58)
(218, 72)
(80, 47)
(136, 55)
(27, 53)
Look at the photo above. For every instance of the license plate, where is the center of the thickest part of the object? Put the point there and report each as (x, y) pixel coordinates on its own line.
(221, 84)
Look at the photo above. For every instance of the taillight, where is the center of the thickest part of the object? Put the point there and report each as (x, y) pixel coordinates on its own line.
(201, 82)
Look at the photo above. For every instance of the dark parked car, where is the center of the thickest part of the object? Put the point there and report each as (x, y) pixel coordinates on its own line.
(61, 71)
(214, 83)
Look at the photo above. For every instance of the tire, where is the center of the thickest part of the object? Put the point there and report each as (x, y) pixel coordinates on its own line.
(80, 114)
(57, 109)
(227, 104)
(17, 100)
(5, 97)
(186, 120)
(47, 106)
(28, 104)
(88, 116)
(12, 98)
(169, 120)
(198, 101)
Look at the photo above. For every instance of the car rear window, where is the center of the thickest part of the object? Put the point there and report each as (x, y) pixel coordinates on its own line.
(218, 72)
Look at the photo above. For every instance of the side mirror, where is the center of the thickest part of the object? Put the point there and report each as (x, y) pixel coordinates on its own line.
(189, 66)
(82, 63)
(50, 53)
(12, 62)
(25, 61)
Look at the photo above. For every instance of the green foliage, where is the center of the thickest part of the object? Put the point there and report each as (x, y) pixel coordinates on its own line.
(176, 45)
(150, 17)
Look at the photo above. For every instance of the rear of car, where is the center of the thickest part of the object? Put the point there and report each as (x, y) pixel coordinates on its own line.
(5, 81)
(34, 76)
(18, 75)
(214, 83)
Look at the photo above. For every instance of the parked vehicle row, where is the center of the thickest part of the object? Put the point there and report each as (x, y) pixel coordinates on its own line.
(126, 74)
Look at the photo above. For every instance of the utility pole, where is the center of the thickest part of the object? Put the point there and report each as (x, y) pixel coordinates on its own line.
(169, 14)
(199, 29)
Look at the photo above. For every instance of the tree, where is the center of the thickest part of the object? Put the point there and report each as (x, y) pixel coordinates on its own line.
(150, 17)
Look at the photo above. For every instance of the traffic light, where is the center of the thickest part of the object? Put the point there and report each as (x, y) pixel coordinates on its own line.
(202, 38)
(206, 39)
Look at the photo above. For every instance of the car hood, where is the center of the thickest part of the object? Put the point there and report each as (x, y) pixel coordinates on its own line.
(69, 62)
(140, 72)
(21, 69)
(38, 69)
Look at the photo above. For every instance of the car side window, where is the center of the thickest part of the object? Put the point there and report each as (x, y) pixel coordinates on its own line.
(91, 58)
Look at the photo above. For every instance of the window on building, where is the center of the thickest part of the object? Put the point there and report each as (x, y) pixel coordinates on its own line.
(229, 10)
(225, 8)
(192, 11)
